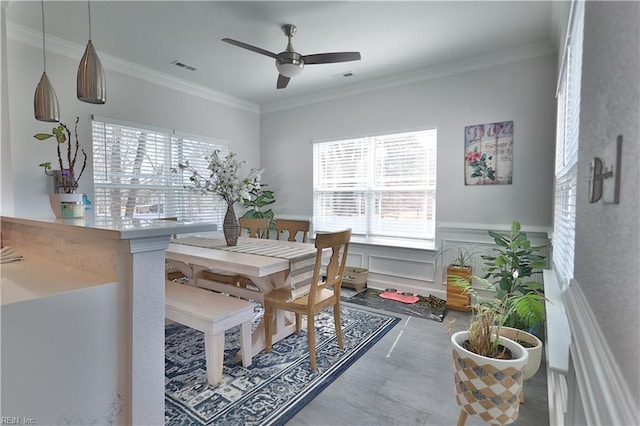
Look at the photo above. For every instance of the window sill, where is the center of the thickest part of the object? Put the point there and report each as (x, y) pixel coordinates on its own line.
(393, 242)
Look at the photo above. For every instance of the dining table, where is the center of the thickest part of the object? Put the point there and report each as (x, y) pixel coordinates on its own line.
(269, 264)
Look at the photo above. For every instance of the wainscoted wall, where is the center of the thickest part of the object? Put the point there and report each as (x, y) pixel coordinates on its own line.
(401, 268)
(423, 271)
(476, 238)
(601, 393)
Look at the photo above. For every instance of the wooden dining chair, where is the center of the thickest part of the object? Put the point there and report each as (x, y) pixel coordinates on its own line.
(258, 228)
(322, 294)
(293, 227)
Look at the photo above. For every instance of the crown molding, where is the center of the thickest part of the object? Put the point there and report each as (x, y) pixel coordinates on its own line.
(472, 63)
(72, 50)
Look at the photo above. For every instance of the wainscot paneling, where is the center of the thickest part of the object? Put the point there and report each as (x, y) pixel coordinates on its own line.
(476, 238)
(405, 269)
(604, 395)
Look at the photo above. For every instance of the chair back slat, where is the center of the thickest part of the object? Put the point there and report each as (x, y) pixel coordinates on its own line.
(293, 227)
(318, 298)
(338, 245)
(257, 228)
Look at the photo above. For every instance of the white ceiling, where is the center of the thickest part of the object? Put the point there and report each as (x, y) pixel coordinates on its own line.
(396, 39)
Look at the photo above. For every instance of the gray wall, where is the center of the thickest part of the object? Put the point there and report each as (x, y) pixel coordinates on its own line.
(607, 235)
(131, 99)
(521, 91)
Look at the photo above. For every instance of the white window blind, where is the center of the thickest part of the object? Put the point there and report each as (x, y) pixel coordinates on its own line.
(133, 175)
(567, 138)
(380, 186)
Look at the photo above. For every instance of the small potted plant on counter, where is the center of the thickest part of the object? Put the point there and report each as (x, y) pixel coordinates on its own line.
(65, 202)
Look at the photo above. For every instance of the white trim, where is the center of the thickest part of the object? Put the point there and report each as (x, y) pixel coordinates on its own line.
(124, 123)
(141, 245)
(73, 50)
(380, 133)
(473, 63)
(606, 398)
(484, 228)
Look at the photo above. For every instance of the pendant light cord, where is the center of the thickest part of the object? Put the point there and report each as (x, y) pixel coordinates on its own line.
(44, 56)
(89, 9)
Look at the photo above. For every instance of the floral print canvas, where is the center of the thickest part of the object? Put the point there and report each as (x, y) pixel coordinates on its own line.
(488, 154)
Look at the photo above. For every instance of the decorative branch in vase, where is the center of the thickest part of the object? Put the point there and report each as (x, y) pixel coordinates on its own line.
(67, 180)
(223, 180)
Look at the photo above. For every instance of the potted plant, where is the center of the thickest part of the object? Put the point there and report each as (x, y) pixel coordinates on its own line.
(65, 202)
(260, 198)
(510, 268)
(460, 268)
(522, 300)
(488, 367)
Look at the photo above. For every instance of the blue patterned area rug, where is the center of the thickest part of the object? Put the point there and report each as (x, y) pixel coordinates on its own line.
(276, 385)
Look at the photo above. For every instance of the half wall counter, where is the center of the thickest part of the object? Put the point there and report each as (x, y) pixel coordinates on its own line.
(82, 319)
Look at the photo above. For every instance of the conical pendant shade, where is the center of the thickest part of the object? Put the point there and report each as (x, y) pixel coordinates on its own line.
(92, 86)
(45, 101)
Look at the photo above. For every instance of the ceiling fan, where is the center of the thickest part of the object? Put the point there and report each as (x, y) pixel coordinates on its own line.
(290, 63)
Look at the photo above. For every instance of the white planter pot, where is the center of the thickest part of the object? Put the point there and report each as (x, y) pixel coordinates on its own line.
(67, 205)
(535, 350)
(486, 387)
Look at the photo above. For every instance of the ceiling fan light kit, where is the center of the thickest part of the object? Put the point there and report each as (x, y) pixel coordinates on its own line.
(291, 63)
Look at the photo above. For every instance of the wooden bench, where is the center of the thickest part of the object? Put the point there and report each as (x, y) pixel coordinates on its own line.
(213, 314)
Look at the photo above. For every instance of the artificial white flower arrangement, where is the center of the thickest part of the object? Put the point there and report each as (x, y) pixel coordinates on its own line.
(223, 178)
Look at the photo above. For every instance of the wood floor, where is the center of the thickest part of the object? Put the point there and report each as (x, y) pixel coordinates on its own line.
(407, 379)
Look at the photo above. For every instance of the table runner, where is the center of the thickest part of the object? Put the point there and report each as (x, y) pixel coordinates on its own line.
(301, 258)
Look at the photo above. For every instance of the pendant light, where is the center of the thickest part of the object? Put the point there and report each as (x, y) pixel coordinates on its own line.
(45, 101)
(92, 86)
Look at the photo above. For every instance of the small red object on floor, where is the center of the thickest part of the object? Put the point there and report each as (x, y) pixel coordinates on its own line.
(399, 297)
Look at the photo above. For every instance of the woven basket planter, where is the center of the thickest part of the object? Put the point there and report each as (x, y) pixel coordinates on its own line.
(486, 387)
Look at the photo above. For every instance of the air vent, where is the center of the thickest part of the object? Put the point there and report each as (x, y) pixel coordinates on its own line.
(342, 75)
(183, 65)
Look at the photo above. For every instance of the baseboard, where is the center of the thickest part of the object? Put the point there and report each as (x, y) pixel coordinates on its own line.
(604, 392)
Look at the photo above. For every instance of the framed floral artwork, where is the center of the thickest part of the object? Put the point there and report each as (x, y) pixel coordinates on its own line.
(488, 154)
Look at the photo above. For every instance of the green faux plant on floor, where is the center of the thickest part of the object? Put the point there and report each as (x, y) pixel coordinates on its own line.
(490, 315)
(510, 267)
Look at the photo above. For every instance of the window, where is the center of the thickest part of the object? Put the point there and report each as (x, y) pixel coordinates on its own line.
(567, 138)
(380, 186)
(133, 175)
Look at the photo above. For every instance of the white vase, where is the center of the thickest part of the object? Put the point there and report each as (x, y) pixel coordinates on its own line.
(487, 387)
(66, 206)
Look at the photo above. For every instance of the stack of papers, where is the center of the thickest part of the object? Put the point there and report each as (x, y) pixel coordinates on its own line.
(7, 254)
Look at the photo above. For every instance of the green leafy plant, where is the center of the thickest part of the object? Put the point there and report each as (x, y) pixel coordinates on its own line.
(67, 180)
(490, 315)
(462, 256)
(510, 267)
(260, 198)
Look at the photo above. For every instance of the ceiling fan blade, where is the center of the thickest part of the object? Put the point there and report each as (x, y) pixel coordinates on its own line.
(327, 58)
(282, 81)
(249, 47)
